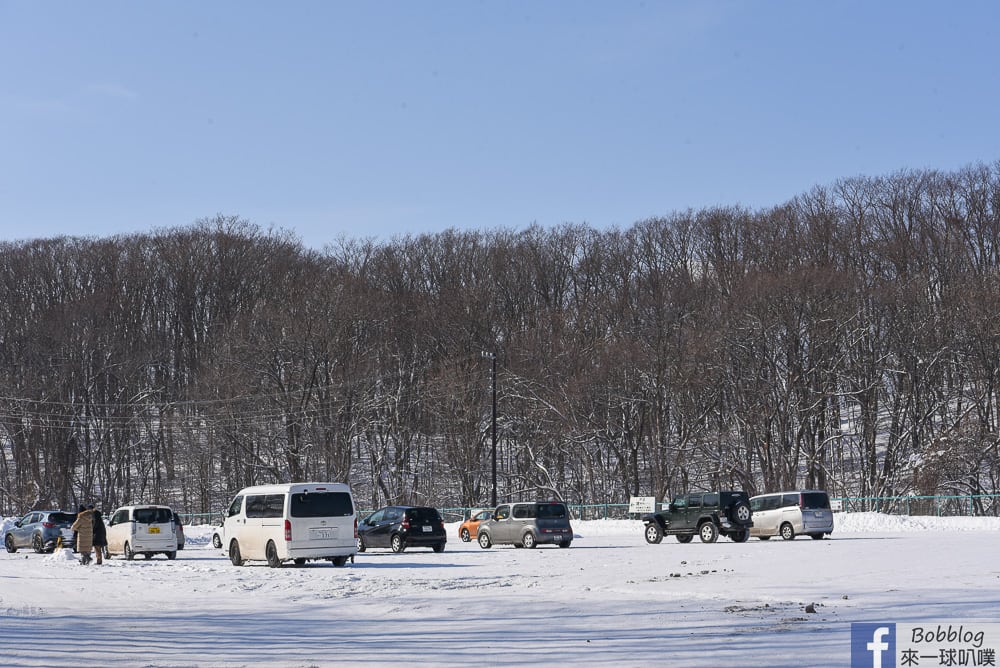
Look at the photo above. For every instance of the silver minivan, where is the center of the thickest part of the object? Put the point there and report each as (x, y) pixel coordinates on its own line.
(788, 514)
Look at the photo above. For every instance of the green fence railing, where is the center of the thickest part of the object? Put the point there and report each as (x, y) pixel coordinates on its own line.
(940, 505)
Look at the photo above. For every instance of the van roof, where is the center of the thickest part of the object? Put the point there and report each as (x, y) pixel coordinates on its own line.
(296, 488)
(793, 491)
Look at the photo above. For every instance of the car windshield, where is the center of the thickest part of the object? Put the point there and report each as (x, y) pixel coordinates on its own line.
(153, 515)
(321, 504)
(551, 510)
(815, 501)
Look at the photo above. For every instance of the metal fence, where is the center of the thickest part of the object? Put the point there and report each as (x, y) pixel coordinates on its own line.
(960, 505)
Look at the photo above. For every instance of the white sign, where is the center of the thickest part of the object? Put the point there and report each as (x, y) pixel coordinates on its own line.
(836, 505)
(642, 504)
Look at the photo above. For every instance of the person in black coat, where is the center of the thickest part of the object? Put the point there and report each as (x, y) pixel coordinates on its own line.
(100, 536)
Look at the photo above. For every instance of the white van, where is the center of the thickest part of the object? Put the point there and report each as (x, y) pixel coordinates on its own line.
(788, 514)
(297, 522)
(145, 530)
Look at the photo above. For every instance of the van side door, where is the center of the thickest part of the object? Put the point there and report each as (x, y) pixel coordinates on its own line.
(119, 530)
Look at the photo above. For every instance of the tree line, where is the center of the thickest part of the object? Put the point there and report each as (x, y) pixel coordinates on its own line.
(844, 340)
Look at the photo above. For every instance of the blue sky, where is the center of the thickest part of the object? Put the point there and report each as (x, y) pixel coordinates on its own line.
(376, 119)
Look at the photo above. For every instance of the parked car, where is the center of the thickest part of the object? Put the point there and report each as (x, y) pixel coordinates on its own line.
(179, 530)
(788, 514)
(527, 525)
(705, 514)
(41, 530)
(219, 536)
(291, 522)
(469, 529)
(145, 530)
(400, 527)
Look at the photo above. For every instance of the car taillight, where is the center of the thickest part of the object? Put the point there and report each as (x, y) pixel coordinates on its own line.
(405, 523)
(288, 530)
(48, 525)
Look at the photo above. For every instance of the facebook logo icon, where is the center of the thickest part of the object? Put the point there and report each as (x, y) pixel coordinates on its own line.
(873, 646)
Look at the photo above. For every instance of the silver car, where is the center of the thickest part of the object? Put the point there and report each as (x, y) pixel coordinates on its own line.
(788, 514)
(41, 530)
(527, 525)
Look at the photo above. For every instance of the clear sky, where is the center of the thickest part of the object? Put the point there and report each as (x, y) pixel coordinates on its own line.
(373, 119)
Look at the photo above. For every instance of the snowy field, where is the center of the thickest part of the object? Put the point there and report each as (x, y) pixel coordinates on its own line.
(610, 599)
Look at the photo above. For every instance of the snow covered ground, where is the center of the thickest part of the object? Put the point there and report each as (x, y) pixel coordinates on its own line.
(610, 599)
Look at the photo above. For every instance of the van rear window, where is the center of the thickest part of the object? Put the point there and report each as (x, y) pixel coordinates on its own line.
(815, 501)
(322, 504)
(153, 515)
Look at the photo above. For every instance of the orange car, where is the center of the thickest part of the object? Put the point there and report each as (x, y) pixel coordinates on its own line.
(470, 527)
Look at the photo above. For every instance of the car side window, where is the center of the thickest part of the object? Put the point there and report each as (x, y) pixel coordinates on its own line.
(235, 506)
(772, 502)
(790, 500)
(375, 518)
(119, 517)
(681, 502)
(711, 499)
(525, 511)
(503, 512)
(255, 506)
(694, 501)
(274, 505)
(483, 516)
(756, 505)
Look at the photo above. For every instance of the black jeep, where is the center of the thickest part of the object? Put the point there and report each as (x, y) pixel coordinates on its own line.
(707, 514)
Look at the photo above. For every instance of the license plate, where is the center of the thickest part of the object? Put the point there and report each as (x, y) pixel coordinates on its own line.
(428, 529)
(154, 529)
(322, 534)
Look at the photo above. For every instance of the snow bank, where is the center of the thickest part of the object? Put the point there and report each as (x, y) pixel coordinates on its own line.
(881, 523)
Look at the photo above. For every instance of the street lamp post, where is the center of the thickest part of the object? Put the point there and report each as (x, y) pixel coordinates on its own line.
(493, 422)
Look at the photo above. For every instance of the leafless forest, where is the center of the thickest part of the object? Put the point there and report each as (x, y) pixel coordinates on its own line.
(848, 340)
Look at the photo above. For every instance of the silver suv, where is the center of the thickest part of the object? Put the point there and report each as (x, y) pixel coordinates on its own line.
(41, 530)
(527, 525)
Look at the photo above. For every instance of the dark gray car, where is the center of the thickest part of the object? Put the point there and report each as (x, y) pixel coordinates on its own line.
(41, 530)
(704, 514)
(527, 525)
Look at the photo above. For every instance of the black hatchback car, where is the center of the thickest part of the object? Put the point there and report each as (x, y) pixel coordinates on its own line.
(400, 527)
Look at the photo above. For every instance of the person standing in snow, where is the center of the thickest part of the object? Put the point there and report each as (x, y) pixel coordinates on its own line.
(84, 528)
(100, 535)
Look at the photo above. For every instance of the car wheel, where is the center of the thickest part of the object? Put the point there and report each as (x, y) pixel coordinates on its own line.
(740, 536)
(171, 555)
(216, 542)
(787, 532)
(147, 555)
(684, 537)
(129, 554)
(708, 532)
(653, 533)
(764, 537)
(484, 540)
(36, 544)
(271, 552)
(397, 543)
(565, 543)
(466, 537)
(529, 541)
(816, 536)
(301, 562)
(339, 562)
(8, 542)
(234, 554)
(741, 513)
(361, 544)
